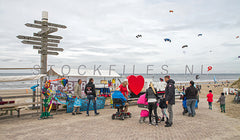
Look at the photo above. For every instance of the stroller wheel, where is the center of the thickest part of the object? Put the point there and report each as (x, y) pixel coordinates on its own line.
(130, 115)
(122, 116)
(113, 116)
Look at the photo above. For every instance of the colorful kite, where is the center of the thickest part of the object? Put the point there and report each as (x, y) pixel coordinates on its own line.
(199, 35)
(167, 39)
(64, 82)
(209, 68)
(170, 11)
(237, 37)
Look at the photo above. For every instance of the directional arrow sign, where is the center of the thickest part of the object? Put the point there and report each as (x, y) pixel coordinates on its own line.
(48, 36)
(50, 53)
(34, 25)
(38, 43)
(36, 39)
(48, 48)
(31, 42)
(48, 31)
(51, 24)
(28, 38)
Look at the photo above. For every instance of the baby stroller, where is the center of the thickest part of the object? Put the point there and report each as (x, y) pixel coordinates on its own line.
(184, 104)
(142, 103)
(118, 104)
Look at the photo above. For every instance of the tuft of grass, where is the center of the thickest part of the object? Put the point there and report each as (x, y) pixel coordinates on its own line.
(236, 83)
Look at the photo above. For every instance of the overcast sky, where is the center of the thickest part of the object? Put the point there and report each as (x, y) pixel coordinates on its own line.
(103, 32)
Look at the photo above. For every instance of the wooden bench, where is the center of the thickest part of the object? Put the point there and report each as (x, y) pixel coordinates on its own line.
(15, 107)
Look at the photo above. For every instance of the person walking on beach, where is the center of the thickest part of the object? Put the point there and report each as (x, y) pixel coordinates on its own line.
(210, 99)
(170, 98)
(91, 95)
(191, 96)
(151, 97)
(222, 102)
(78, 95)
(124, 91)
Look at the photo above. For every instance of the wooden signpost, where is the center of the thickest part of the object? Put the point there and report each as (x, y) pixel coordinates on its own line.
(42, 39)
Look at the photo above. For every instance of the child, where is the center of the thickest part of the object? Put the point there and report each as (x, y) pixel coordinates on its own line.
(210, 99)
(163, 107)
(222, 102)
(77, 104)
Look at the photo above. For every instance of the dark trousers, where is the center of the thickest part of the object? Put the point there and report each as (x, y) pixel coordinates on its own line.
(151, 107)
(91, 97)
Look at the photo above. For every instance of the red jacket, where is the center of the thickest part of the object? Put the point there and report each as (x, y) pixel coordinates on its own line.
(210, 97)
(123, 90)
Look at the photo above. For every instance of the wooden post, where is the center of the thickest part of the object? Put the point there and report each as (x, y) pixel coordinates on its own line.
(41, 39)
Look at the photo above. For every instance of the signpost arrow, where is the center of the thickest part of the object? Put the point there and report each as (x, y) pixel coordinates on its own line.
(48, 36)
(49, 53)
(38, 43)
(34, 25)
(49, 48)
(28, 38)
(51, 24)
(49, 30)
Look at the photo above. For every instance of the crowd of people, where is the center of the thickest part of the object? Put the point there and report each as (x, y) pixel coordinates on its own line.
(191, 94)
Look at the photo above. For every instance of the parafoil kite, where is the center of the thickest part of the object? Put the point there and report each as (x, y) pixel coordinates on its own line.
(64, 82)
(197, 77)
(161, 79)
(138, 36)
(170, 11)
(185, 46)
(167, 39)
(209, 68)
(199, 35)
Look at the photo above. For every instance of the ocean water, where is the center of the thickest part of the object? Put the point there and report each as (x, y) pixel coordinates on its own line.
(179, 78)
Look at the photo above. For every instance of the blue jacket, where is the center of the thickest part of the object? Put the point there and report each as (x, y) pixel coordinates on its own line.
(119, 95)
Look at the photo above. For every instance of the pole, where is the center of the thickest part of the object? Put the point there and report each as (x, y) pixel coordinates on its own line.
(44, 52)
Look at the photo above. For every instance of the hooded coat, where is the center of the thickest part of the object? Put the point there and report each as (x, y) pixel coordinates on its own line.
(170, 92)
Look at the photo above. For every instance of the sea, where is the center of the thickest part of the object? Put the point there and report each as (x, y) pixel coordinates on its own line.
(179, 78)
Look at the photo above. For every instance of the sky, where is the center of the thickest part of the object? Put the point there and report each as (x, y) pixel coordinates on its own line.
(103, 32)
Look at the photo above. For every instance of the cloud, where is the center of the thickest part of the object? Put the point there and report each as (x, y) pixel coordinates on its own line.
(103, 32)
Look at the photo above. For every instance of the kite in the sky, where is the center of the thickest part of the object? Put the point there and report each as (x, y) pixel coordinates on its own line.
(199, 35)
(167, 39)
(210, 51)
(238, 56)
(197, 77)
(209, 68)
(138, 36)
(161, 79)
(64, 82)
(185, 46)
(170, 11)
(237, 37)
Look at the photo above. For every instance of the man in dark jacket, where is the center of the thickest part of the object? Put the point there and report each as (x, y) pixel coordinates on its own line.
(191, 96)
(91, 95)
(170, 98)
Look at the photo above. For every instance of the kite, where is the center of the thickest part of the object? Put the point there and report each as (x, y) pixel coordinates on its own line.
(197, 77)
(167, 39)
(237, 37)
(64, 82)
(161, 79)
(210, 51)
(199, 35)
(138, 36)
(238, 56)
(185, 46)
(209, 68)
(170, 11)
